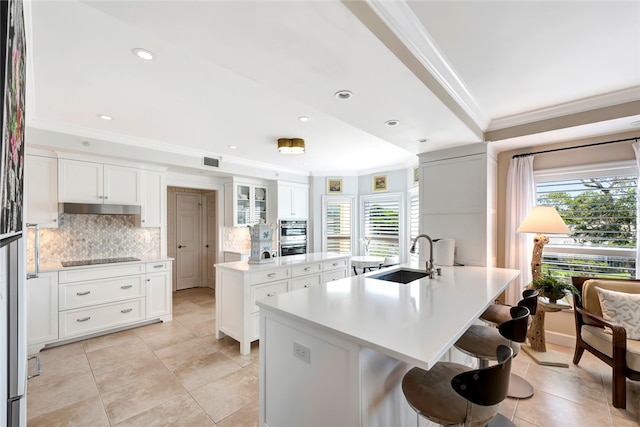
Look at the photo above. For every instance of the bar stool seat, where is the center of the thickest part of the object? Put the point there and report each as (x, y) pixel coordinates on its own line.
(454, 394)
(499, 313)
(479, 341)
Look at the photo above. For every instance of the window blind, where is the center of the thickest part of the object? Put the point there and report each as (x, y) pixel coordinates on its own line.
(338, 217)
(381, 225)
(600, 212)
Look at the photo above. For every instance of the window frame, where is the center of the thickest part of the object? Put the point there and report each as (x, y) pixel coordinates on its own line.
(402, 222)
(351, 200)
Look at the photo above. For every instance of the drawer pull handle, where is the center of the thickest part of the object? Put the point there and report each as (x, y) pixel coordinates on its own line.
(271, 275)
(126, 287)
(308, 285)
(83, 293)
(307, 268)
(271, 294)
(158, 266)
(84, 319)
(126, 310)
(335, 264)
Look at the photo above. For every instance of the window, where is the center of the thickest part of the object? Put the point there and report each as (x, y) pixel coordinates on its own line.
(381, 224)
(414, 217)
(598, 204)
(338, 224)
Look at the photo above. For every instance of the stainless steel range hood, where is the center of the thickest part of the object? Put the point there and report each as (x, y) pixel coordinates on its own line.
(98, 209)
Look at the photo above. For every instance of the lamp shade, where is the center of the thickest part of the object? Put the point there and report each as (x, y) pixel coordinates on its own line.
(543, 219)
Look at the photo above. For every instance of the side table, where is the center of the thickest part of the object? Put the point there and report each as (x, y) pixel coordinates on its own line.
(537, 347)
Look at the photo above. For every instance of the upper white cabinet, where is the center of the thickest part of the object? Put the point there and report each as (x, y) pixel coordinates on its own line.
(458, 201)
(293, 201)
(154, 199)
(245, 204)
(88, 182)
(41, 180)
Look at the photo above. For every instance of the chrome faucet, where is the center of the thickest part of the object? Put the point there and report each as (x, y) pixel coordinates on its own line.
(429, 267)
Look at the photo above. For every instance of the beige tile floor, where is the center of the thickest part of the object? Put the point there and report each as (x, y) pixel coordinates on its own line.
(178, 374)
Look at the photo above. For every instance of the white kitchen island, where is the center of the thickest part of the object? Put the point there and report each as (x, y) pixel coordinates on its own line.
(335, 355)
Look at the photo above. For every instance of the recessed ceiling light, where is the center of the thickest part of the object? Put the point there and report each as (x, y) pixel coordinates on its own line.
(392, 123)
(233, 147)
(105, 117)
(343, 94)
(423, 140)
(142, 53)
(303, 118)
(636, 123)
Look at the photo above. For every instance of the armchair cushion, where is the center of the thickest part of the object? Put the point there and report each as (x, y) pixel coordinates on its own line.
(591, 300)
(621, 308)
(602, 341)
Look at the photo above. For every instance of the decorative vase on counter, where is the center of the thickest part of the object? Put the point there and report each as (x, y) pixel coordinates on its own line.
(261, 242)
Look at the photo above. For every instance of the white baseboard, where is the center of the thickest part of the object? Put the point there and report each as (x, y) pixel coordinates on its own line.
(560, 339)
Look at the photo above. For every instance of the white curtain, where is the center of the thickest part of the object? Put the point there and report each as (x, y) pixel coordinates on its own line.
(636, 149)
(521, 197)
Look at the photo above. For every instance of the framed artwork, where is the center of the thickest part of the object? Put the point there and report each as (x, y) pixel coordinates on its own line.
(12, 94)
(334, 185)
(416, 175)
(380, 183)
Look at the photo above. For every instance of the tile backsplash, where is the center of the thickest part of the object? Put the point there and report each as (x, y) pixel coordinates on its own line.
(80, 237)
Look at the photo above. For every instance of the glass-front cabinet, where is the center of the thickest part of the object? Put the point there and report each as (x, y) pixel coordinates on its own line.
(249, 202)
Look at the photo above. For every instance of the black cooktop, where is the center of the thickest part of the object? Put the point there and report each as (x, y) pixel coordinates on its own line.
(97, 261)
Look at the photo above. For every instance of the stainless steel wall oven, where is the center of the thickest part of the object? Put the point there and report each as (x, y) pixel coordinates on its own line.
(292, 237)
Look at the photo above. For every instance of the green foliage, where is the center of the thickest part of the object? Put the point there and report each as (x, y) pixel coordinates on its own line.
(553, 288)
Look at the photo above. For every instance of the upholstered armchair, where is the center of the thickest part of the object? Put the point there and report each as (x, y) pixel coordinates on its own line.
(608, 326)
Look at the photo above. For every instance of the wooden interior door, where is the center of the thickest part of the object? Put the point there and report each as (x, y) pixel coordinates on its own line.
(188, 252)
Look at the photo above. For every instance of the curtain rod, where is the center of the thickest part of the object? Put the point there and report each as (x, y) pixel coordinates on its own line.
(571, 148)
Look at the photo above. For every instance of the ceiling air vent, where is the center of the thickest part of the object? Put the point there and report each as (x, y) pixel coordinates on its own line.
(210, 161)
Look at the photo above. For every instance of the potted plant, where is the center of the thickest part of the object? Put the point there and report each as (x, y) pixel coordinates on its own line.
(552, 288)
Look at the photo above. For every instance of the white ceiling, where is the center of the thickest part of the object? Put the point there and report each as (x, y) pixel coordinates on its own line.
(242, 72)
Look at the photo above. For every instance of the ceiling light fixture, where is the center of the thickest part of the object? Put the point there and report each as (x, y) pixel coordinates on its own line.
(105, 117)
(392, 123)
(303, 118)
(142, 53)
(291, 146)
(343, 95)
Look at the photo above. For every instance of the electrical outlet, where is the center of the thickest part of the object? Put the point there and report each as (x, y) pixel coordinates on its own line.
(301, 352)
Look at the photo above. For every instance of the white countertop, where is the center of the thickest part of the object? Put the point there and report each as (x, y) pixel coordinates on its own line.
(57, 266)
(416, 323)
(283, 261)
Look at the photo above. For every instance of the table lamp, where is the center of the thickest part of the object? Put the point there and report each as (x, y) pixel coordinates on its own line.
(541, 220)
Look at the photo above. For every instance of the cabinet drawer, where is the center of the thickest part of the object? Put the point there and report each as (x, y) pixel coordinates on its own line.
(152, 267)
(305, 282)
(84, 294)
(97, 273)
(259, 292)
(101, 317)
(335, 264)
(270, 276)
(301, 270)
(334, 275)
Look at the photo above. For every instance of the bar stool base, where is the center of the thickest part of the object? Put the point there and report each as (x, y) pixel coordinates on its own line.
(501, 421)
(519, 388)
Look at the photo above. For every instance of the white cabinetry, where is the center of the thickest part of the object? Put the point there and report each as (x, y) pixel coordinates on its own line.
(88, 182)
(245, 204)
(154, 199)
(293, 201)
(458, 201)
(42, 312)
(158, 290)
(238, 288)
(41, 179)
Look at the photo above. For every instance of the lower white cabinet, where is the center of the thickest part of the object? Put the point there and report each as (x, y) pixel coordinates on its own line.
(76, 302)
(238, 288)
(158, 290)
(42, 315)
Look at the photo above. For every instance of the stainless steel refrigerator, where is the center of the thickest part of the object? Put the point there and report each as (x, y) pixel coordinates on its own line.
(13, 304)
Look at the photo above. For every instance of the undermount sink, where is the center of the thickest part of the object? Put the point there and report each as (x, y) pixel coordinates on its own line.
(400, 276)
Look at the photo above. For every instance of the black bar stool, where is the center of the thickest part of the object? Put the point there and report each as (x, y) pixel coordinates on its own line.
(499, 313)
(453, 394)
(479, 340)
